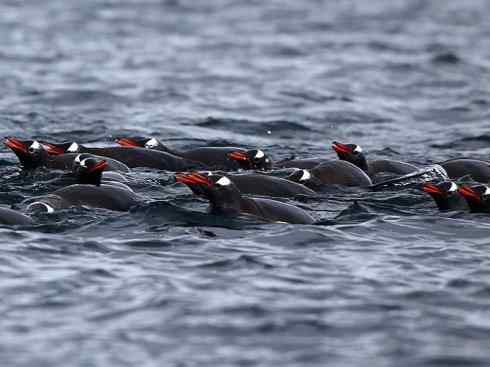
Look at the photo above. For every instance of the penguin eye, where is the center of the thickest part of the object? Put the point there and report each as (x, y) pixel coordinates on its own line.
(223, 181)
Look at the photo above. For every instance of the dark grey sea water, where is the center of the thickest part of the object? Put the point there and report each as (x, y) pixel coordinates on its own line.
(386, 280)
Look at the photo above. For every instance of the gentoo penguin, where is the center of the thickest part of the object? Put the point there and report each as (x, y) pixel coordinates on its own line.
(12, 217)
(110, 197)
(353, 153)
(33, 154)
(252, 159)
(258, 184)
(477, 169)
(89, 170)
(132, 157)
(225, 199)
(477, 197)
(331, 173)
(445, 195)
(214, 157)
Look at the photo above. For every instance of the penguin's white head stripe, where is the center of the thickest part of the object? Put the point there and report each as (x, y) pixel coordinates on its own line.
(259, 154)
(35, 145)
(358, 149)
(487, 191)
(152, 143)
(77, 158)
(306, 175)
(73, 148)
(84, 163)
(453, 187)
(223, 181)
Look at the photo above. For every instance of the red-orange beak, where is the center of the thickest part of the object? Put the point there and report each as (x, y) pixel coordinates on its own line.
(53, 149)
(100, 166)
(128, 142)
(193, 178)
(432, 189)
(341, 148)
(238, 156)
(16, 145)
(468, 192)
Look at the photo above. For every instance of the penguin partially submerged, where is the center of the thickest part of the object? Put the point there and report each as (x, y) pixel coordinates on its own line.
(225, 199)
(331, 173)
(445, 195)
(477, 196)
(131, 156)
(32, 154)
(214, 157)
(354, 154)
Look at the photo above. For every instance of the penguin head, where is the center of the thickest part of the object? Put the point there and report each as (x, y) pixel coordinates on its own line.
(31, 153)
(221, 192)
(252, 159)
(140, 142)
(88, 169)
(477, 196)
(444, 193)
(304, 177)
(62, 148)
(351, 153)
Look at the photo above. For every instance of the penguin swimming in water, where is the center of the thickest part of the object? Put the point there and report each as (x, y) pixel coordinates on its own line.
(225, 199)
(215, 158)
(331, 173)
(12, 217)
(131, 156)
(254, 159)
(32, 154)
(354, 154)
(445, 195)
(477, 196)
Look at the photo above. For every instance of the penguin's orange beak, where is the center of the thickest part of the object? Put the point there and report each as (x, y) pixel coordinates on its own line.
(193, 178)
(53, 149)
(100, 166)
(128, 142)
(238, 156)
(341, 148)
(468, 192)
(432, 189)
(16, 145)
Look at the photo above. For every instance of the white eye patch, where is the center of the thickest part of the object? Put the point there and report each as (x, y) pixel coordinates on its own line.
(84, 163)
(306, 175)
(259, 154)
(487, 191)
(73, 148)
(35, 145)
(223, 181)
(77, 158)
(358, 149)
(453, 187)
(152, 143)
